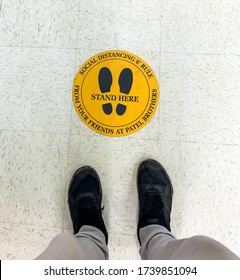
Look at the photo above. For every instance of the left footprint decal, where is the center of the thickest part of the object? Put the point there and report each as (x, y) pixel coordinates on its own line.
(105, 83)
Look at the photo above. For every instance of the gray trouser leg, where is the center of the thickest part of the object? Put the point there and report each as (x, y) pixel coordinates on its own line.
(159, 244)
(88, 244)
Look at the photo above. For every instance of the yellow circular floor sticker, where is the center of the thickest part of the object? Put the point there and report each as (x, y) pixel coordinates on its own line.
(115, 93)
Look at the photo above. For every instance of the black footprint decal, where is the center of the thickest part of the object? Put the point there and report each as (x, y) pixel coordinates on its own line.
(125, 83)
(121, 109)
(105, 82)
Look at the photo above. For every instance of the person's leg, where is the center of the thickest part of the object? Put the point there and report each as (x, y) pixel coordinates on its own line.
(154, 233)
(89, 243)
(90, 234)
(159, 244)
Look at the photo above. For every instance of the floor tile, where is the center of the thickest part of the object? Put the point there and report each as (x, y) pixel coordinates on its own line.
(200, 99)
(201, 26)
(126, 9)
(22, 242)
(96, 31)
(39, 24)
(206, 190)
(35, 86)
(150, 131)
(123, 247)
(33, 177)
(138, 35)
(138, 9)
(117, 161)
(111, 30)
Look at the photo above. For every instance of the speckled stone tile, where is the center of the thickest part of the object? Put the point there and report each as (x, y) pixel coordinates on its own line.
(33, 177)
(201, 26)
(134, 9)
(23, 242)
(39, 23)
(117, 26)
(206, 181)
(150, 131)
(138, 35)
(200, 99)
(116, 161)
(123, 247)
(35, 86)
(138, 9)
(96, 31)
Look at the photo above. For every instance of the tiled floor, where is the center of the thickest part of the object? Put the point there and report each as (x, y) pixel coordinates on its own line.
(194, 50)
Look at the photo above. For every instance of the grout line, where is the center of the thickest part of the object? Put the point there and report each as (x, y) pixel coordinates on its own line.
(78, 20)
(33, 131)
(67, 162)
(66, 178)
(160, 103)
(209, 54)
(1, 5)
(31, 225)
(200, 143)
(136, 139)
(159, 74)
(70, 124)
(115, 29)
(110, 233)
(123, 234)
(156, 52)
(36, 47)
(161, 26)
(169, 140)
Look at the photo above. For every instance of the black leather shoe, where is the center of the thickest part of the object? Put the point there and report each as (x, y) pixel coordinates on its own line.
(155, 195)
(84, 200)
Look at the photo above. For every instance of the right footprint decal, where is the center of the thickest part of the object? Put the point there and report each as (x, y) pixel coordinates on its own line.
(125, 83)
(105, 82)
(121, 109)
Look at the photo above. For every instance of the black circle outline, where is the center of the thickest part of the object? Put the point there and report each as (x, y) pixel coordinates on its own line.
(134, 64)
